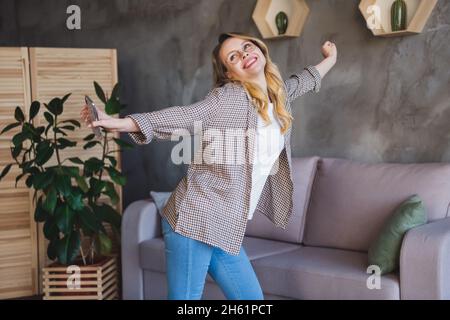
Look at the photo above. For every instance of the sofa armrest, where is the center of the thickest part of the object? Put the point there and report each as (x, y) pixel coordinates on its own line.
(140, 222)
(425, 262)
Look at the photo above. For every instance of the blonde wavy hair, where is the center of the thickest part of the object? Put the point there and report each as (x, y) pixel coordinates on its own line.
(275, 83)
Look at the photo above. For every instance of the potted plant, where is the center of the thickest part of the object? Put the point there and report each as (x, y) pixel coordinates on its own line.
(398, 15)
(66, 199)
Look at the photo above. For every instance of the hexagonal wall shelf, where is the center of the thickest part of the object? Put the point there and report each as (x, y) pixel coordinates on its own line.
(266, 10)
(378, 16)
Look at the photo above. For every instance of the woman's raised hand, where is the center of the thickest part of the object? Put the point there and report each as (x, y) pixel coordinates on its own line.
(86, 117)
(107, 122)
(329, 50)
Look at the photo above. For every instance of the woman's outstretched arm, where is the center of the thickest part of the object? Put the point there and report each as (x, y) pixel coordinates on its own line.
(300, 83)
(329, 51)
(161, 124)
(310, 79)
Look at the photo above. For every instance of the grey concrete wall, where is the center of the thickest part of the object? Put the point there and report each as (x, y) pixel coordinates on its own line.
(387, 99)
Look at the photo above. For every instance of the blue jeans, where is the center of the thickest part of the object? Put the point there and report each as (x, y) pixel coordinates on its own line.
(188, 261)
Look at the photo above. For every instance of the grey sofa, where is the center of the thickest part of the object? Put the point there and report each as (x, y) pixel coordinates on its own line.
(339, 208)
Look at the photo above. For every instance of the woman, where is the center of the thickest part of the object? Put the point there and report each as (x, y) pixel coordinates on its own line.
(204, 220)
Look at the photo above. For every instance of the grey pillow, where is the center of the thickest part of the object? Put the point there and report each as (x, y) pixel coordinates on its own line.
(160, 199)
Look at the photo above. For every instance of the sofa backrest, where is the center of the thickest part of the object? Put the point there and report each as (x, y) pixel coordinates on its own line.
(350, 200)
(303, 171)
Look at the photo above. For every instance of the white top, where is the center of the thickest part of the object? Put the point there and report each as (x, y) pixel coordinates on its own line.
(269, 142)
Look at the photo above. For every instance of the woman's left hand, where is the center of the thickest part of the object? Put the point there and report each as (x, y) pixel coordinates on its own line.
(329, 50)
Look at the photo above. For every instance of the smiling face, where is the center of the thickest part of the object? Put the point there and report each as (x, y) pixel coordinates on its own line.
(240, 64)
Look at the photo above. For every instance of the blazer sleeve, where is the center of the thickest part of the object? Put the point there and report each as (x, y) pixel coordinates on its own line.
(300, 83)
(161, 124)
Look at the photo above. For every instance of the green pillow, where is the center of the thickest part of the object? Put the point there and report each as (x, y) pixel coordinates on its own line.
(385, 250)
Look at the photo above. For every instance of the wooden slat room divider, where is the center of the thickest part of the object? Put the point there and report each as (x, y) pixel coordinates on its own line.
(28, 74)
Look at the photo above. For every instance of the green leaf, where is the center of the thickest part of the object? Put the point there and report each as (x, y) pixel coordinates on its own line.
(64, 216)
(116, 176)
(58, 130)
(40, 215)
(29, 181)
(18, 178)
(76, 160)
(48, 116)
(68, 248)
(50, 201)
(123, 143)
(97, 185)
(99, 92)
(74, 122)
(19, 138)
(111, 192)
(34, 109)
(115, 92)
(68, 127)
(63, 184)
(112, 160)
(82, 184)
(75, 200)
(55, 106)
(18, 115)
(64, 143)
(44, 152)
(52, 249)
(65, 97)
(89, 137)
(51, 230)
(93, 165)
(32, 170)
(106, 213)
(91, 144)
(71, 171)
(31, 132)
(15, 151)
(43, 179)
(105, 244)
(5, 170)
(26, 164)
(89, 221)
(40, 130)
(112, 107)
(48, 128)
(10, 126)
(29, 129)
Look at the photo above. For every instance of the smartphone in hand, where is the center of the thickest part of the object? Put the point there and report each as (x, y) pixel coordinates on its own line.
(94, 116)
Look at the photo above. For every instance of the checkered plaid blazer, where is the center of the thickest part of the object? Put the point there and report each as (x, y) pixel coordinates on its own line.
(211, 202)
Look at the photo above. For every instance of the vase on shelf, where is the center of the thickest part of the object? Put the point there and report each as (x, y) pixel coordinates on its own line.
(398, 15)
(281, 20)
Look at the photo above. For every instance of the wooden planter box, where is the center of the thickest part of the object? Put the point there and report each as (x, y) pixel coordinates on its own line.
(96, 282)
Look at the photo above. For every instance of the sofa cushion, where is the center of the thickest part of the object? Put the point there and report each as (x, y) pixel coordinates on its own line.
(350, 201)
(160, 199)
(384, 252)
(152, 252)
(303, 171)
(321, 273)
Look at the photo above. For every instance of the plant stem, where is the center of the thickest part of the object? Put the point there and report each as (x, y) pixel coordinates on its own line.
(82, 254)
(56, 145)
(103, 161)
(35, 154)
(92, 250)
(105, 142)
